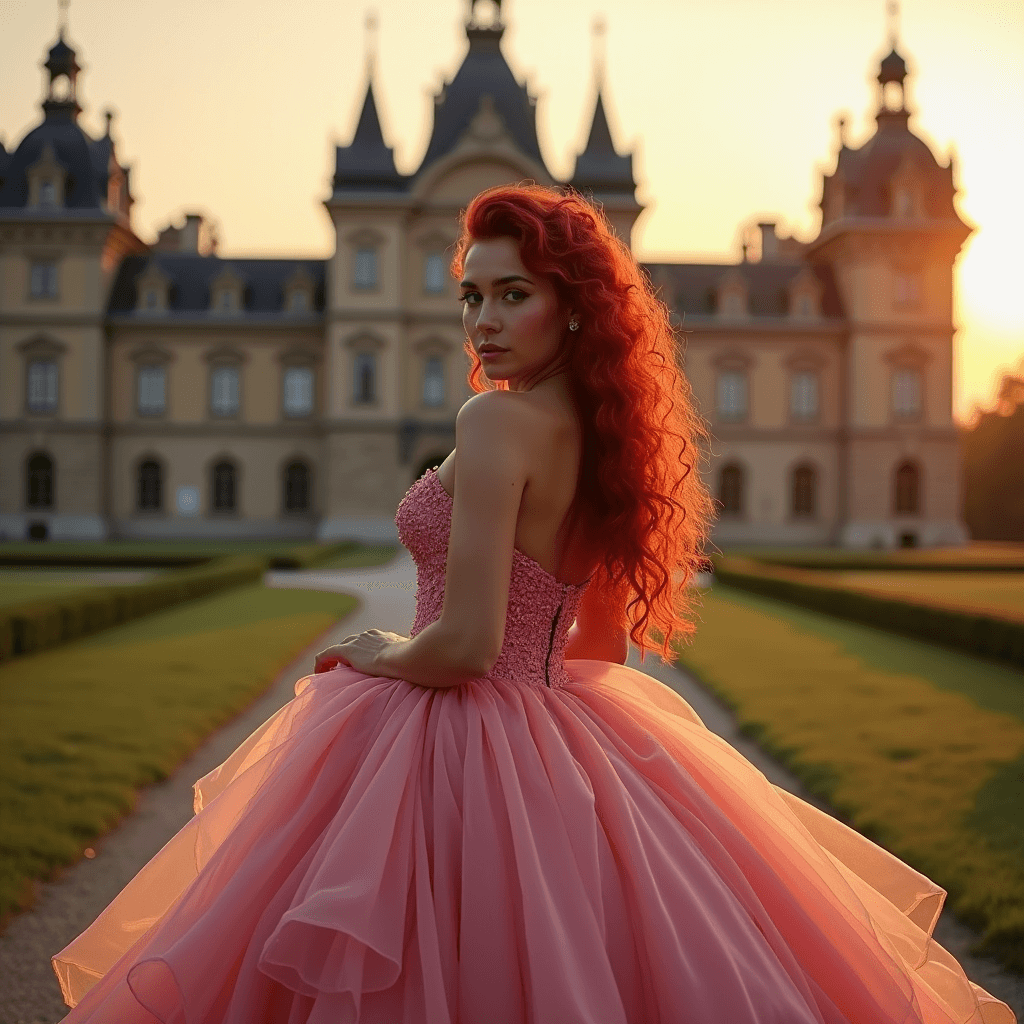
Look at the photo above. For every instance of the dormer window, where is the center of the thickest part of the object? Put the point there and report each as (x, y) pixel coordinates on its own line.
(227, 291)
(151, 289)
(298, 301)
(47, 193)
(732, 296)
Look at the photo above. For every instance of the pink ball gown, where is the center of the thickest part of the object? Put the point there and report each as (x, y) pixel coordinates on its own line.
(558, 842)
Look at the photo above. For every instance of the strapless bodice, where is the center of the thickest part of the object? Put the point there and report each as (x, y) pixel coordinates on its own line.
(541, 609)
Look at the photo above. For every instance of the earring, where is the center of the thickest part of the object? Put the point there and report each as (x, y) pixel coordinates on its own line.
(574, 324)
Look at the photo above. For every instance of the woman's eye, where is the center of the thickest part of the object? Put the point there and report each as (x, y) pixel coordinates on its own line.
(516, 295)
(470, 298)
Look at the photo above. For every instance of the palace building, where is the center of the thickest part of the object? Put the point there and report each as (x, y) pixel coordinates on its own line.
(158, 389)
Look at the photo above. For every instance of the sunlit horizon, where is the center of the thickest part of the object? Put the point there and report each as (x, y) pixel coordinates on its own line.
(233, 109)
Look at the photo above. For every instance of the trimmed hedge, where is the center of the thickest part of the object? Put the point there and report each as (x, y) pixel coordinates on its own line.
(971, 632)
(39, 625)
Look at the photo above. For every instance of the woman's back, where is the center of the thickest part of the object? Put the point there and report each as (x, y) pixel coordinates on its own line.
(546, 422)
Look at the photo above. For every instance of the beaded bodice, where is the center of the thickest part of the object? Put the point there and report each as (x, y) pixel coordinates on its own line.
(540, 608)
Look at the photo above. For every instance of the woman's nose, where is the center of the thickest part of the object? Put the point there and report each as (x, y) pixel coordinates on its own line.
(487, 319)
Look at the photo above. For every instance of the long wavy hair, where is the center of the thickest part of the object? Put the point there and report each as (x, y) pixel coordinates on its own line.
(639, 492)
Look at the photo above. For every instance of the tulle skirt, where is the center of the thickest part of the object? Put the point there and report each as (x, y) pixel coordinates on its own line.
(385, 853)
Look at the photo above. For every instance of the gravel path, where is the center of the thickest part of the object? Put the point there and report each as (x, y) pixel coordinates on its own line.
(28, 989)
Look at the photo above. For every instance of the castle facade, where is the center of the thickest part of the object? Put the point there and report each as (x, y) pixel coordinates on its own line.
(161, 390)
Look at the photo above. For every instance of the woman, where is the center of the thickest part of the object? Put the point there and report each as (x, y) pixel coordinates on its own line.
(493, 820)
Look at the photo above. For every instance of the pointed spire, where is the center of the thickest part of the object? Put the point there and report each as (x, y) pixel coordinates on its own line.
(599, 168)
(367, 164)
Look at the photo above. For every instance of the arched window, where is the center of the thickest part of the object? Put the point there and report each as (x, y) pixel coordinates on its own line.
(296, 487)
(365, 377)
(150, 486)
(39, 481)
(223, 487)
(908, 489)
(805, 486)
(730, 489)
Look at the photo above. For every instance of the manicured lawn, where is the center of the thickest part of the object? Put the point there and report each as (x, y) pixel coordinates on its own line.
(18, 585)
(920, 748)
(995, 593)
(991, 555)
(362, 557)
(83, 726)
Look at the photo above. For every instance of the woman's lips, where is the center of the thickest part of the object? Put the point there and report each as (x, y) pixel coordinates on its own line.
(491, 353)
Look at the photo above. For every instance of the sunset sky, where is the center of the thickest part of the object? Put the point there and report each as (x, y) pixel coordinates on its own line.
(232, 108)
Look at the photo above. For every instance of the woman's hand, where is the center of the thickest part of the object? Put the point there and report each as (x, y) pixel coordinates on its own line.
(361, 651)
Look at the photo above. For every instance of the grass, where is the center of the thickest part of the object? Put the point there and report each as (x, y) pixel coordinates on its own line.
(917, 747)
(85, 725)
(992, 593)
(20, 585)
(362, 557)
(977, 555)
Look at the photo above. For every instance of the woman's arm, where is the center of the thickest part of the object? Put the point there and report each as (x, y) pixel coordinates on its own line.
(493, 434)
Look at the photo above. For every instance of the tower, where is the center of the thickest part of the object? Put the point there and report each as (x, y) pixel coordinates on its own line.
(65, 224)
(891, 234)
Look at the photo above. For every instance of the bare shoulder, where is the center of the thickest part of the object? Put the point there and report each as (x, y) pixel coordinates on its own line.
(505, 421)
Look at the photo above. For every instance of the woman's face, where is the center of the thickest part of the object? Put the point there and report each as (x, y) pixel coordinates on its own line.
(512, 317)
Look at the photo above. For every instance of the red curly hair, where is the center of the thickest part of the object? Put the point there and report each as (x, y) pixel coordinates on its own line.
(639, 493)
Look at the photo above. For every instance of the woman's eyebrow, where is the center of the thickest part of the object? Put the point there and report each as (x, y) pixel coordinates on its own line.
(498, 280)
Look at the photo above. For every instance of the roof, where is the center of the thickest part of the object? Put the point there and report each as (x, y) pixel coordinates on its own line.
(84, 159)
(483, 71)
(191, 276)
(599, 168)
(367, 164)
(867, 172)
(690, 289)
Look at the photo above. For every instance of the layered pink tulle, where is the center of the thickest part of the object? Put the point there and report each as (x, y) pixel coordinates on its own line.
(382, 852)
(558, 842)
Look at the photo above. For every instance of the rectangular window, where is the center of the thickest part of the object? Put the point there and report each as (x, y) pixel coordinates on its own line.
(732, 395)
(434, 276)
(365, 377)
(152, 300)
(906, 394)
(224, 391)
(907, 289)
(152, 397)
(47, 193)
(298, 301)
(42, 386)
(365, 269)
(804, 396)
(298, 391)
(43, 284)
(433, 381)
